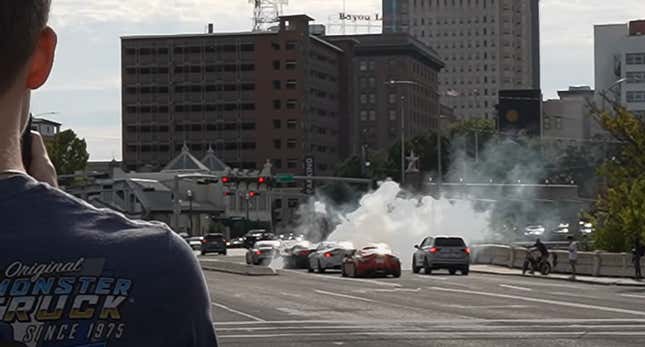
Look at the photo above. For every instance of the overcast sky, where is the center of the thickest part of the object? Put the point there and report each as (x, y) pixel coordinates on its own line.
(85, 85)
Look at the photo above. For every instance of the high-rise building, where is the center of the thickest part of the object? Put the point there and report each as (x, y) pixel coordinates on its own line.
(620, 64)
(487, 46)
(251, 97)
(378, 104)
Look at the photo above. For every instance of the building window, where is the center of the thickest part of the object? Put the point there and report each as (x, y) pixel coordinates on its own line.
(276, 65)
(277, 85)
(372, 82)
(277, 124)
(636, 96)
(372, 66)
(275, 46)
(277, 144)
(372, 99)
(635, 58)
(291, 143)
(291, 45)
(290, 65)
(292, 84)
(392, 98)
(363, 99)
(292, 164)
(372, 115)
(636, 77)
(363, 66)
(292, 124)
(363, 82)
(363, 115)
(392, 114)
(291, 104)
(277, 104)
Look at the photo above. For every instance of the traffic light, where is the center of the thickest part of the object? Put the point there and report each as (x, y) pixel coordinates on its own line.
(262, 180)
(226, 179)
(229, 193)
(253, 194)
(268, 181)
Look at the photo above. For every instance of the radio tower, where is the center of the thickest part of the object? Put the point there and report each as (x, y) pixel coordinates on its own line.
(266, 12)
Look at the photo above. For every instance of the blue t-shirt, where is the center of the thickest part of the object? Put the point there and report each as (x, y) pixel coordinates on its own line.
(72, 275)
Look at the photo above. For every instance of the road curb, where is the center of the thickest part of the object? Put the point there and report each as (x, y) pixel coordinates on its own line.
(238, 269)
(561, 279)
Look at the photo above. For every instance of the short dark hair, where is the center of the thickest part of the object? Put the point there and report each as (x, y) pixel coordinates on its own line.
(21, 22)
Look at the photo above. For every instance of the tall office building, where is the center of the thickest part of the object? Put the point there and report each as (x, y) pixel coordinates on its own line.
(487, 45)
(620, 63)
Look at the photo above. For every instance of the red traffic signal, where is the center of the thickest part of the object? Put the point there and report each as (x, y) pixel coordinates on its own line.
(229, 193)
(262, 180)
(253, 194)
(225, 180)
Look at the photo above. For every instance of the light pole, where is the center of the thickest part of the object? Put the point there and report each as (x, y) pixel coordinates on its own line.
(392, 83)
(189, 196)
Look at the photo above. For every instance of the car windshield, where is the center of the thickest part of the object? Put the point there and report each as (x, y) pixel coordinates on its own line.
(449, 242)
(322, 173)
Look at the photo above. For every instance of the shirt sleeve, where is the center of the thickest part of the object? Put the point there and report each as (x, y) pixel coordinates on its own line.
(190, 321)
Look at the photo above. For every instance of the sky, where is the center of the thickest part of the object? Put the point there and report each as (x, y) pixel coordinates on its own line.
(85, 86)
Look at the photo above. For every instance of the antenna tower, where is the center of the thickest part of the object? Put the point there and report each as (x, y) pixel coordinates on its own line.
(266, 12)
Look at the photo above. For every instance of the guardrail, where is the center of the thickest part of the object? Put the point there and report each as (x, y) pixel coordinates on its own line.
(598, 263)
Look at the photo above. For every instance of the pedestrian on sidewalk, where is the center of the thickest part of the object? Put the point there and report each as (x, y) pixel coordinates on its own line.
(637, 252)
(573, 256)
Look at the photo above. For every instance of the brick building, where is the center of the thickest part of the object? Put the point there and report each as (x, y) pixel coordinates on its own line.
(282, 95)
(251, 96)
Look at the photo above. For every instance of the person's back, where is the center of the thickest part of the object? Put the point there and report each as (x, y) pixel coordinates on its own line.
(70, 274)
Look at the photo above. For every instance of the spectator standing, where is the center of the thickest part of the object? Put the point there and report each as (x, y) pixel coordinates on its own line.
(637, 252)
(573, 256)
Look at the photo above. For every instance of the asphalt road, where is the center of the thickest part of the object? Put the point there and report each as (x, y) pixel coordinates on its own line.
(301, 309)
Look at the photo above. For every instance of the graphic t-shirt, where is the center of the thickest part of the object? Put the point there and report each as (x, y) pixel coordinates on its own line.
(72, 275)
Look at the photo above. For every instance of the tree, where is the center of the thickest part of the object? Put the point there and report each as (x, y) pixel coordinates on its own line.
(68, 153)
(619, 213)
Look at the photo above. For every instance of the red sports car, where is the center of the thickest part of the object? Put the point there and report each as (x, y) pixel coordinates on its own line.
(372, 260)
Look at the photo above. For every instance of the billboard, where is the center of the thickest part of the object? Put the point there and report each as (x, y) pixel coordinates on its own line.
(519, 112)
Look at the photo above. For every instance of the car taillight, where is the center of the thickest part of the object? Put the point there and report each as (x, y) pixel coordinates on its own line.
(434, 250)
(203, 241)
(258, 252)
(467, 250)
(304, 252)
(328, 255)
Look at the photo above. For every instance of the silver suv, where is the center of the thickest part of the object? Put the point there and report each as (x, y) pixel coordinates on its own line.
(442, 252)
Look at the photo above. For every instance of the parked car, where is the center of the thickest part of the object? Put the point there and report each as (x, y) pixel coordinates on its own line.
(442, 252)
(213, 243)
(195, 242)
(372, 260)
(296, 254)
(329, 255)
(262, 252)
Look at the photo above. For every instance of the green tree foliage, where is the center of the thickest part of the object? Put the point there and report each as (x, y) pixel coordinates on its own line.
(68, 153)
(619, 213)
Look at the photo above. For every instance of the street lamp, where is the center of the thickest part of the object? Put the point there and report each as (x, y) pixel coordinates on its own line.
(392, 83)
(189, 196)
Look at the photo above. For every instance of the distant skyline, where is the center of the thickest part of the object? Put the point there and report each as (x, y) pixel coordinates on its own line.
(85, 86)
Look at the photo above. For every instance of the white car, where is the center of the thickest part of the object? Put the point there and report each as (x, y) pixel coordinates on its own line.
(534, 230)
(329, 255)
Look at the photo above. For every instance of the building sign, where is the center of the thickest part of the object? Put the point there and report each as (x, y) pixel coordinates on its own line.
(359, 17)
(519, 112)
(310, 171)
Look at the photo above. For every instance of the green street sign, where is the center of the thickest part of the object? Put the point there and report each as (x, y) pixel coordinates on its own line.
(284, 178)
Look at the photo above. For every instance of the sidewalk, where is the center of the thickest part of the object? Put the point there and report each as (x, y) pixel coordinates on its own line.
(504, 271)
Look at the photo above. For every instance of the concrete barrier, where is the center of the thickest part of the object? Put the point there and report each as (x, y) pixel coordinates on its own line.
(602, 264)
(237, 268)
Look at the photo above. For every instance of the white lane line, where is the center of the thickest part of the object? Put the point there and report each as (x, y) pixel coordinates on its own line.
(516, 288)
(446, 335)
(575, 295)
(252, 317)
(543, 301)
(393, 290)
(431, 277)
(633, 296)
(325, 277)
(343, 296)
(451, 322)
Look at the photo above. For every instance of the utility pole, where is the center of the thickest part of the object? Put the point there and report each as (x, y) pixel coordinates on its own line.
(402, 141)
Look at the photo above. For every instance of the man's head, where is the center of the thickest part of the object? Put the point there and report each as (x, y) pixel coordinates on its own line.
(21, 29)
(570, 239)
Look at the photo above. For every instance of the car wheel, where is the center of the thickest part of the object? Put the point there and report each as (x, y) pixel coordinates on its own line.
(415, 268)
(465, 271)
(426, 267)
(320, 268)
(309, 268)
(397, 273)
(203, 253)
(452, 272)
(545, 268)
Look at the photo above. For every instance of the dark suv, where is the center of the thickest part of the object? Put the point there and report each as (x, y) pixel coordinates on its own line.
(442, 252)
(213, 243)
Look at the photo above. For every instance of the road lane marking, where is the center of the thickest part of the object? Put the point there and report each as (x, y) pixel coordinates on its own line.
(633, 296)
(393, 290)
(432, 277)
(516, 288)
(575, 295)
(343, 295)
(451, 322)
(446, 335)
(323, 277)
(543, 301)
(487, 307)
(238, 312)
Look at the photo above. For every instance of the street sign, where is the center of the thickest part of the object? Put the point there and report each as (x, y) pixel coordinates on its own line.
(310, 171)
(284, 178)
